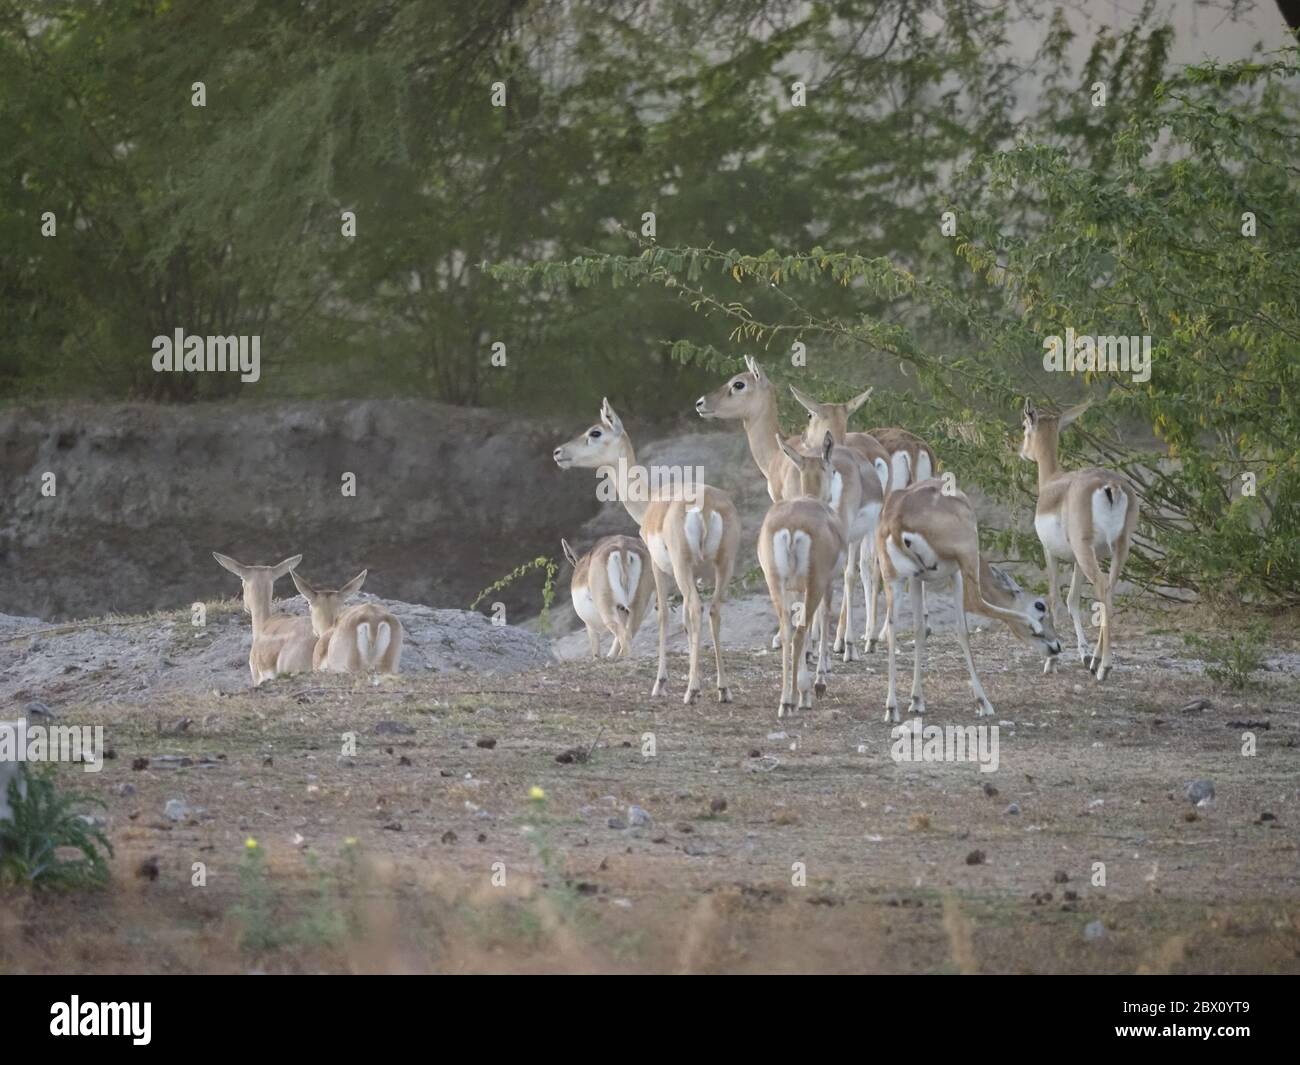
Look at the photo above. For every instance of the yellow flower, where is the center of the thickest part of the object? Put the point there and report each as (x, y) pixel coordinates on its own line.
(351, 841)
(250, 844)
(536, 794)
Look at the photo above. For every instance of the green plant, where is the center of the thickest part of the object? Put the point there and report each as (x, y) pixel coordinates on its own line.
(549, 566)
(1232, 661)
(323, 923)
(44, 822)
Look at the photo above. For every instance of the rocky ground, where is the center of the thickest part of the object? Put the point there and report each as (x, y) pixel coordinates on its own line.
(326, 823)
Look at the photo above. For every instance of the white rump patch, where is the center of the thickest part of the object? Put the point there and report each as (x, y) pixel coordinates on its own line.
(904, 564)
(382, 641)
(693, 527)
(659, 553)
(837, 490)
(584, 606)
(1108, 517)
(790, 553)
(363, 641)
(714, 540)
(1051, 534)
(924, 469)
(614, 566)
(901, 465)
(882, 471)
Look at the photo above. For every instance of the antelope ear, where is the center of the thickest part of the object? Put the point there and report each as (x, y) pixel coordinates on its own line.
(569, 554)
(1030, 413)
(609, 418)
(281, 568)
(307, 591)
(789, 452)
(857, 401)
(751, 364)
(1074, 412)
(827, 445)
(353, 586)
(226, 562)
(807, 402)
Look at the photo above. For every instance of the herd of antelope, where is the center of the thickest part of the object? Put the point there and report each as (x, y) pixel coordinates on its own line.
(844, 501)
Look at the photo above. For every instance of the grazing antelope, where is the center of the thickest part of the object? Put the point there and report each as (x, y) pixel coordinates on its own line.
(801, 546)
(930, 536)
(609, 588)
(857, 490)
(1081, 515)
(907, 459)
(687, 537)
(282, 643)
(364, 638)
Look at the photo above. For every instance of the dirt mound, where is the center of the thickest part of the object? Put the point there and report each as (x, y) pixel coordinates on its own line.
(126, 659)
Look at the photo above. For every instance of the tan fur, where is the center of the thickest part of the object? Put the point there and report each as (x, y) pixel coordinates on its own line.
(937, 536)
(664, 521)
(807, 513)
(591, 577)
(281, 643)
(1067, 498)
(750, 398)
(337, 644)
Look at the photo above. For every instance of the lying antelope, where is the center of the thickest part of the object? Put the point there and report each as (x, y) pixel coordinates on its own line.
(282, 643)
(693, 533)
(609, 588)
(930, 536)
(364, 638)
(906, 457)
(1081, 514)
(857, 490)
(801, 546)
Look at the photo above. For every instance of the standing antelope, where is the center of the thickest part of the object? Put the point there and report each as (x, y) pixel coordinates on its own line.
(364, 638)
(609, 588)
(282, 643)
(1081, 514)
(906, 457)
(687, 537)
(930, 536)
(857, 490)
(801, 546)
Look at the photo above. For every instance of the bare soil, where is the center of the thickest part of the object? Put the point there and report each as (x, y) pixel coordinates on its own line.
(423, 851)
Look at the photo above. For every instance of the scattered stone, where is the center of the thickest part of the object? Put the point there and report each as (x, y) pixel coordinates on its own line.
(1013, 810)
(38, 709)
(1191, 815)
(573, 754)
(346, 762)
(919, 822)
(1071, 896)
(1196, 706)
(176, 727)
(268, 760)
(1266, 816)
(1094, 930)
(393, 826)
(684, 827)
(126, 788)
(975, 858)
(754, 752)
(718, 805)
(140, 763)
(449, 836)
(403, 760)
(486, 742)
(1199, 791)
(481, 837)
(392, 728)
(990, 790)
(177, 810)
(148, 869)
(445, 773)
(1061, 877)
(1250, 725)
(637, 817)
(617, 823)
(777, 736)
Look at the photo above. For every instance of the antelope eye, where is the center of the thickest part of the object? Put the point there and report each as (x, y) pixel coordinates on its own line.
(1040, 606)
(737, 386)
(594, 434)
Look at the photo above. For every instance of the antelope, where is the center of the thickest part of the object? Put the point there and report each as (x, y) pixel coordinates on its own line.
(1081, 515)
(931, 536)
(857, 490)
(608, 589)
(907, 459)
(364, 638)
(801, 546)
(686, 537)
(282, 643)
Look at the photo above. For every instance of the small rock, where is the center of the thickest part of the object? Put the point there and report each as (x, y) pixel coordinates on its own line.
(1266, 816)
(38, 709)
(990, 790)
(486, 742)
(1196, 706)
(1094, 930)
(1199, 791)
(975, 858)
(393, 826)
(346, 762)
(617, 823)
(392, 728)
(126, 788)
(1013, 809)
(140, 763)
(1061, 877)
(148, 869)
(718, 805)
(754, 752)
(403, 760)
(268, 760)
(177, 810)
(637, 817)
(1071, 896)
(449, 836)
